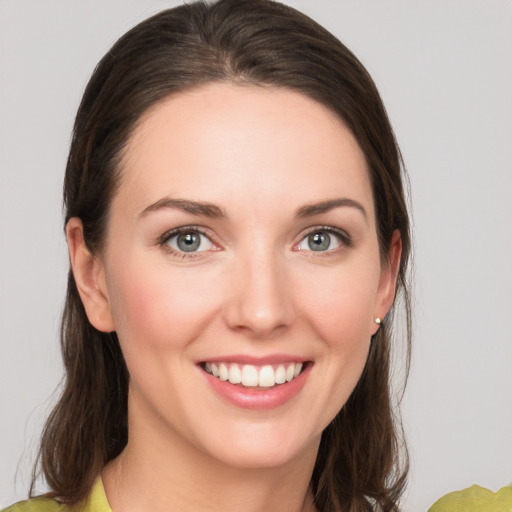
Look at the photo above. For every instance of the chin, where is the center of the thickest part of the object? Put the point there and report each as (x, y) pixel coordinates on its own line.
(260, 447)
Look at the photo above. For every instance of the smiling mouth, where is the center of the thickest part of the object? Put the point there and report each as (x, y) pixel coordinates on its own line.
(252, 376)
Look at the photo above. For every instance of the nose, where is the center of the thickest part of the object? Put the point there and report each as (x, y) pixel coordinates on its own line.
(261, 298)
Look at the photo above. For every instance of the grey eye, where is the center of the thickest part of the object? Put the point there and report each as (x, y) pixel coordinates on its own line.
(190, 241)
(319, 241)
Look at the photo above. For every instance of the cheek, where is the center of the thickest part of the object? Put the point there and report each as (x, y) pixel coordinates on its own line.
(340, 314)
(160, 306)
(341, 308)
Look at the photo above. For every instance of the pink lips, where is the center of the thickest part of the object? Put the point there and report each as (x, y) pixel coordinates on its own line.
(257, 398)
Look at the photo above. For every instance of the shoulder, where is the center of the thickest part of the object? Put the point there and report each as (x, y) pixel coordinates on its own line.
(475, 499)
(95, 502)
(37, 505)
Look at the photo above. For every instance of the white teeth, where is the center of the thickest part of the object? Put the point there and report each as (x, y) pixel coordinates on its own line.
(266, 377)
(235, 375)
(290, 372)
(249, 375)
(223, 372)
(280, 375)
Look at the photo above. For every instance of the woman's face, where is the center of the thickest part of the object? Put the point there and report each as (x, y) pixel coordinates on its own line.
(242, 245)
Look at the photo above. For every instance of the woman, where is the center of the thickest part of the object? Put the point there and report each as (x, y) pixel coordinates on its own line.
(237, 233)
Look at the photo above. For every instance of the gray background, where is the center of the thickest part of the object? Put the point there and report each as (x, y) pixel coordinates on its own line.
(444, 70)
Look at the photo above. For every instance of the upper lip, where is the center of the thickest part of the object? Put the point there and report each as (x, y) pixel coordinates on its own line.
(256, 360)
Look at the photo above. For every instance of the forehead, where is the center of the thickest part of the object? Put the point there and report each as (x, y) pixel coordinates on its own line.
(228, 140)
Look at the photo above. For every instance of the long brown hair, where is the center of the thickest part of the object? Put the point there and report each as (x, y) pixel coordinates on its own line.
(359, 466)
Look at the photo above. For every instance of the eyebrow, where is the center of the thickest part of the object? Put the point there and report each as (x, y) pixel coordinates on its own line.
(194, 207)
(213, 211)
(312, 209)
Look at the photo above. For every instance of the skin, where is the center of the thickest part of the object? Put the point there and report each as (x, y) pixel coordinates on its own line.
(259, 155)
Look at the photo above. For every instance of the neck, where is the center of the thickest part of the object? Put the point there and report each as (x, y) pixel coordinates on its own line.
(135, 483)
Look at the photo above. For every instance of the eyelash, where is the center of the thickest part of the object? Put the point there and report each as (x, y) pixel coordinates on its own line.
(343, 236)
(163, 241)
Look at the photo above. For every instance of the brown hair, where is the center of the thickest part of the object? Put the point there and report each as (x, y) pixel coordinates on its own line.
(359, 467)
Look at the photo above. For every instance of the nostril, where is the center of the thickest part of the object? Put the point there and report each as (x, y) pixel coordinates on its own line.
(258, 321)
(261, 301)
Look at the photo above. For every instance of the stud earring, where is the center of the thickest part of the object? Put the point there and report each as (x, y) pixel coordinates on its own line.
(378, 321)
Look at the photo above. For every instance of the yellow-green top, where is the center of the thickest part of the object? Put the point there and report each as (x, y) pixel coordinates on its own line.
(475, 499)
(96, 502)
(472, 499)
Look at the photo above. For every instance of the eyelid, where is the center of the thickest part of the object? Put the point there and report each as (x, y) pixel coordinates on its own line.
(346, 239)
(164, 239)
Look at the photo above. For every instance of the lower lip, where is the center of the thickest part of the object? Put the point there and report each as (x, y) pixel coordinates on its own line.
(262, 398)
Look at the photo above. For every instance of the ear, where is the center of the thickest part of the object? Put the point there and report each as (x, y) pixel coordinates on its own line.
(388, 278)
(89, 274)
